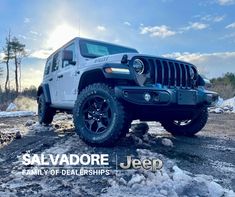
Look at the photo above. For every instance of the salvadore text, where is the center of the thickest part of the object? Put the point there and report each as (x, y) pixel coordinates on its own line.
(65, 159)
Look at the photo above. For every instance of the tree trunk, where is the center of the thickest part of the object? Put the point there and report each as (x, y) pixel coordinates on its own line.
(16, 76)
(8, 57)
(7, 77)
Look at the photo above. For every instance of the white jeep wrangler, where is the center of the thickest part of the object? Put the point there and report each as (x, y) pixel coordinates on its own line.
(106, 86)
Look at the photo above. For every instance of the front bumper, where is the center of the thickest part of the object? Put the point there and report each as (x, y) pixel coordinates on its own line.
(166, 96)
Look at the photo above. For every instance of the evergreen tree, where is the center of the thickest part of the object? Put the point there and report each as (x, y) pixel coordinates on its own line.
(6, 59)
(18, 51)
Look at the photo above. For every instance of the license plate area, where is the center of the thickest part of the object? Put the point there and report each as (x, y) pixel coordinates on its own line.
(187, 97)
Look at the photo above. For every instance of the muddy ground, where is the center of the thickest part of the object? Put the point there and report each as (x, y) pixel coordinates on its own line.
(211, 152)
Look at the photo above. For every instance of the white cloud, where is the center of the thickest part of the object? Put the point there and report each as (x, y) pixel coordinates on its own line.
(226, 2)
(42, 53)
(22, 36)
(127, 23)
(218, 18)
(196, 26)
(27, 20)
(209, 64)
(101, 28)
(34, 33)
(232, 25)
(230, 36)
(213, 18)
(157, 31)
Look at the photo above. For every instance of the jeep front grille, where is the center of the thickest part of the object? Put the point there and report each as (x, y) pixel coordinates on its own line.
(170, 73)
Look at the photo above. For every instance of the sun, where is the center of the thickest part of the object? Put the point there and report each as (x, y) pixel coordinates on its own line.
(60, 35)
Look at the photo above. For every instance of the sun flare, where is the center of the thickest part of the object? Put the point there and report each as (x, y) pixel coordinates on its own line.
(60, 35)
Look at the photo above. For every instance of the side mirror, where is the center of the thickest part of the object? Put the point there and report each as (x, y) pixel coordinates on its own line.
(67, 55)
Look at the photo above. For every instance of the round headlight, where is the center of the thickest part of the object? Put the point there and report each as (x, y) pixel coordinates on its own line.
(138, 65)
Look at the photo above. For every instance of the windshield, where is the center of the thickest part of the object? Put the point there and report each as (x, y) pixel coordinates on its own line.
(93, 49)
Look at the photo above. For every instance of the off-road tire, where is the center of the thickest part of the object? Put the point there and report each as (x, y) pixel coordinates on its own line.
(45, 112)
(194, 126)
(118, 125)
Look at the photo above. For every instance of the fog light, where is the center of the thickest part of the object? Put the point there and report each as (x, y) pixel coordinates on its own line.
(156, 98)
(147, 97)
(125, 94)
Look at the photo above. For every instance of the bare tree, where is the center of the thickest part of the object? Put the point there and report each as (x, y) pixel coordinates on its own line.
(18, 50)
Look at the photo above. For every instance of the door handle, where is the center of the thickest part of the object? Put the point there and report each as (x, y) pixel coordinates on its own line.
(51, 79)
(60, 76)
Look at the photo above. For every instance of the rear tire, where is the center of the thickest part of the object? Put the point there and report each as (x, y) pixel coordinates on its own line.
(190, 127)
(99, 118)
(45, 112)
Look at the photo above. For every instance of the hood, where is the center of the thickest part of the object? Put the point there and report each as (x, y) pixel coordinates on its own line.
(116, 58)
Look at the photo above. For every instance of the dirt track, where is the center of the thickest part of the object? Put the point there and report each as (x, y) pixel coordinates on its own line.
(211, 152)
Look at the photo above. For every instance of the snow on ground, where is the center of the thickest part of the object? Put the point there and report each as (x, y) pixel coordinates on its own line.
(4, 114)
(169, 181)
(21, 107)
(11, 107)
(167, 142)
(224, 106)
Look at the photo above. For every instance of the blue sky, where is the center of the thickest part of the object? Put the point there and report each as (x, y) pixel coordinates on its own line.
(202, 31)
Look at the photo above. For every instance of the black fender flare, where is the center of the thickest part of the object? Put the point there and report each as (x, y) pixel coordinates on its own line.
(98, 75)
(44, 88)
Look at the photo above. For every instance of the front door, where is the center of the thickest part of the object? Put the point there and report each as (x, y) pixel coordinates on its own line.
(68, 77)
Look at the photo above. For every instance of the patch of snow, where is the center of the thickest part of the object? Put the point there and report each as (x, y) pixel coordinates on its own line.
(168, 181)
(37, 127)
(156, 128)
(10, 131)
(11, 107)
(29, 123)
(217, 110)
(60, 117)
(136, 178)
(4, 114)
(215, 189)
(224, 106)
(229, 102)
(167, 142)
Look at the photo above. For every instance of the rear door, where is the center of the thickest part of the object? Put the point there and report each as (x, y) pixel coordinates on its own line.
(53, 79)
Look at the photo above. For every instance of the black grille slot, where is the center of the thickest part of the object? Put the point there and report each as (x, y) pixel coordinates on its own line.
(166, 73)
(169, 73)
(184, 76)
(152, 72)
(178, 74)
(159, 72)
(172, 74)
(189, 82)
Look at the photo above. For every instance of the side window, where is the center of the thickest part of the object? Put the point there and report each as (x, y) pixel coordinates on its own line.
(71, 47)
(47, 68)
(55, 62)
